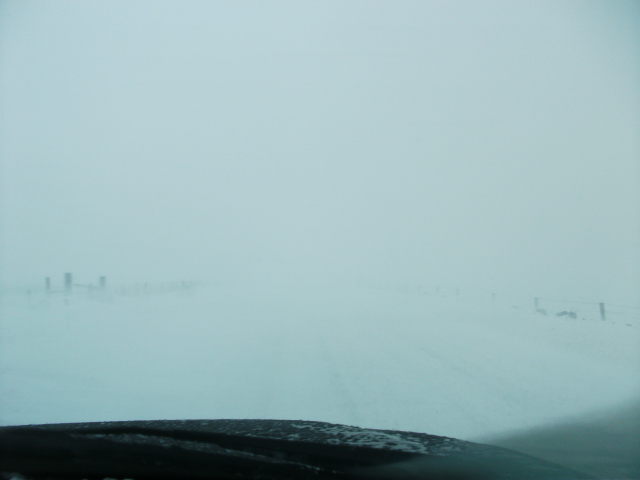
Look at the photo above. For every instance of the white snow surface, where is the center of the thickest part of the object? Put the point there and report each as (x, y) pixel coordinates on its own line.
(370, 358)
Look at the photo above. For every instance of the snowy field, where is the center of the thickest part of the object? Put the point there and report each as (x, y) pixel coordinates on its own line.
(368, 357)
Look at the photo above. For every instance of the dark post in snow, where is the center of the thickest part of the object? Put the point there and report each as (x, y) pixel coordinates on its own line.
(103, 282)
(536, 304)
(68, 282)
(47, 283)
(602, 312)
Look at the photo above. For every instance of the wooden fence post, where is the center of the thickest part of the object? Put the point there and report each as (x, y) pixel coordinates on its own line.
(103, 282)
(603, 316)
(68, 281)
(47, 284)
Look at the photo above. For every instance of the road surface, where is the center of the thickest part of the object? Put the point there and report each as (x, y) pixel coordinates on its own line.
(371, 358)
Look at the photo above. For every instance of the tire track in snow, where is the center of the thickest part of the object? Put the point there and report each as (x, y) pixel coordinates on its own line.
(269, 372)
(490, 399)
(498, 386)
(337, 381)
(443, 386)
(390, 385)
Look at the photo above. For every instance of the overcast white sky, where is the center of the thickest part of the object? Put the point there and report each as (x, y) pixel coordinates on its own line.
(491, 145)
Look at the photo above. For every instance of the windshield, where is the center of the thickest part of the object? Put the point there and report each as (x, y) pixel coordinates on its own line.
(419, 216)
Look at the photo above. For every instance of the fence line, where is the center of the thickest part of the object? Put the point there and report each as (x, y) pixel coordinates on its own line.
(623, 306)
(495, 299)
(540, 305)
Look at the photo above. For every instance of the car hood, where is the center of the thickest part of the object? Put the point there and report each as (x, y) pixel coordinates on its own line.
(265, 449)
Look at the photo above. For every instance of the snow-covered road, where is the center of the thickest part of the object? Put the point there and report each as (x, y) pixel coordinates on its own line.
(371, 358)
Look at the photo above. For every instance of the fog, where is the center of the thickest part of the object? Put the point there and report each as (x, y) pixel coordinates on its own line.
(327, 210)
(482, 145)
